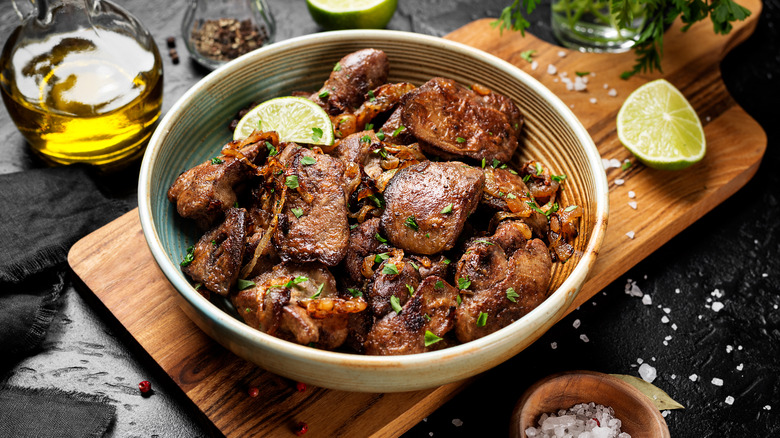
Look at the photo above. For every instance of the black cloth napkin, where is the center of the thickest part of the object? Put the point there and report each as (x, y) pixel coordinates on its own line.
(43, 213)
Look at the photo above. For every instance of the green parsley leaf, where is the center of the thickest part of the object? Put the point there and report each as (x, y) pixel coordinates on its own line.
(581, 73)
(371, 96)
(496, 163)
(527, 177)
(428, 235)
(291, 181)
(308, 161)
(271, 149)
(380, 257)
(483, 163)
(380, 136)
(319, 291)
(570, 208)
(427, 318)
(558, 178)
(528, 56)
(439, 284)
(369, 127)
(297, 211)
(189, 257)
(414, 265)
(446, 261)
(511, 295)
(512, 172)
(459, 300)
(410, 289)
(396, 304)
(376, 199)
(197, 286)
(390, 269)
(216, 160)
(464, 283)
(324, 94)
(244, 284)
(482, 319)
(486, 242)
(539, 168)
(353, 226)
(626, 165)
(535, 207)
(447, 209)
(247, 310)
(411, 223)
(355, 292)
(398, 130)
(511, 196)
(380, 238)
(337, 67)
(460, 139)
(431, 338)
(316, 134)
(235, 204)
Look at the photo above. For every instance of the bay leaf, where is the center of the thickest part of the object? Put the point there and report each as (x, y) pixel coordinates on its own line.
(660, 399)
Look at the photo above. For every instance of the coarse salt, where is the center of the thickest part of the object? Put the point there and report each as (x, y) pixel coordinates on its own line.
(630, 235)
(647, 372)
(693, 377)
(717, 306)
(673, 376)
(534, 65)
(619, 181)
(561, 54)
(632, 204)
(632, 289)
(584, 338)
(593, 100)
(729, 400)
(674, 326)
(582, 420)
(717, 382)
(457, 422)
(606, 86)
(647, 300)
(580, 84)
(667, 310)
(631, 194)
(740, 366)
(717, 293)
(665, 319)
(612, 92)
(666, 413)
(576, 323)
(729, 348)
(668, 338)
(553, 345)
(551, 69)
(677, 290)
(768, 408)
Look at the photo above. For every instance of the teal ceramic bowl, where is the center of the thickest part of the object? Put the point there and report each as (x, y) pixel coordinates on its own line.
(196, 127)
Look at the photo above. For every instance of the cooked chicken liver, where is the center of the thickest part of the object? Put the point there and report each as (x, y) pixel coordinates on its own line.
(428, 203)
(352, 77)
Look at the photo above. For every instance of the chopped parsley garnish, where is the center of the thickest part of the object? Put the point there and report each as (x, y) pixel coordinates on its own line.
(353, 226)
(439, 284)
(512, 171)
(396, 304)
(410, 289)
(428, 235)
(431, 338)
(411, 223)
(376, 200)
(337, 67)
(464, 283)
(447, 209)
(382, 256)
(390, 269)
(381, 151)
(446, 261)
(297, 211)
(427, 317)
(308, 161)
(324, 94)
(216, 160)
(414, 265)
(271, 149)
(365, 139)
(485, 242)
(355, 292)
(570, 208)
(319, 291)
(459, 300)
(244, 284)
(511, 295)
(235, 204)
(535, 207)
(247, 310)
(558, 178)
(460, 139)
(197, 286)
(511, 196)
(527, 177)
(552, 209)
(496, 163)
(539, 168)
(380, 238)
(483, 163)
(189, 257)
(398, 130)
(371, 96)
(626, 165)
(482, 319)
(369, 127)
(316, 134)
(380, 136)
(291, 181)
(528, 55)
(293, 282)
(581, 73)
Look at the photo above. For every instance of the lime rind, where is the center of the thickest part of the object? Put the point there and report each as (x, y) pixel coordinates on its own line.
(660, 127)
(351, 14)
(295, 119)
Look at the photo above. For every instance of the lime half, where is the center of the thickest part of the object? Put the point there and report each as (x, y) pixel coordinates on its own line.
(352, 14)
(660, 127)
(295, 119)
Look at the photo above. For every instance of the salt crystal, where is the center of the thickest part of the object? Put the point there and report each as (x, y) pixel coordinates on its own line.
(579, 85)
(630, 235)
(647, 372)
(631, 194)
(606, 86)
(564, 74)
(632, 204)
(666, 343)
(739, 347)
(647, 300)
(716, 293)
(457, 422)
(677, 290)
(534, 65)
(585, 80)
(729, 348)
(668, 338)
(430, 433)
(740, 366)
(593, 302)
(639, 360)
(612, 92)
(553, 345)
(531, 431)
(674, 326)
(729, 400)
(551, 69)
(665, 319)
(632, 289)
(717, 382)
(556, 80)
(765, 275)
(717, 306)
(701, 316)
(571, 106)
(693, 377)
(614, 162)
(593, 100)
(775, 306)
(561, 54)
(584, 338)
(666, 413)
(667, 310)
(673, 376)
(576, 323)
(768, 408)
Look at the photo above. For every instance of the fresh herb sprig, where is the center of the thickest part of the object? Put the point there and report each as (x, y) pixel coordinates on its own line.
(660, 14)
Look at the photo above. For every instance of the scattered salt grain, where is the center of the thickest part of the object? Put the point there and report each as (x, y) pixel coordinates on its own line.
(614, 162)
(673, 376)
(775, 306)
(768, 408)
(561, 54)
(553, 345)
(765, 275)
(632, 204)
(584, 338)
(674, 326)
(555, 80)
(576, 323)
(551, 69)
(647, 300)
(619, 181)
(739, 347)
(593, 100)
(612, 92)
(717, 306)
(717, 293)
(580, 85)
(693, 377)
(632, 289)
(729, 348)
(667, 310)
(639, 360)
(665, 319)
(647, 372)
(666, 343)
(606, 86)
(729, 400)
(740, 366)
(668, 338)
(630, 235)
(430, 433)
(582, 420)
(666, 413)
(717, 382)
(457, 422)
(631, 194)
(425, 419)
(534, 65)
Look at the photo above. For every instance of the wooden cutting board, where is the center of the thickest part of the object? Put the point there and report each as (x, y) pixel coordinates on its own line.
(115, 263)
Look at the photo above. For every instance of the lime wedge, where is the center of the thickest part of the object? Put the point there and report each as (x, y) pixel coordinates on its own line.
(295, 119)
(352, 14)
(660, 127)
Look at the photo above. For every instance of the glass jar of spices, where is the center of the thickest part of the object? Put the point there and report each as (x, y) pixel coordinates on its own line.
(217, 31)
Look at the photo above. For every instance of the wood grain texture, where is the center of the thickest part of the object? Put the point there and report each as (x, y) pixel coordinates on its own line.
(115, 263)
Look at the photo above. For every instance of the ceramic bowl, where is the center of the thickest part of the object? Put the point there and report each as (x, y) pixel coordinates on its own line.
(196, 127)
(639, 417)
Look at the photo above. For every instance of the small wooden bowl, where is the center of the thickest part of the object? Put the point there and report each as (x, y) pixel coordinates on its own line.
(639, 416)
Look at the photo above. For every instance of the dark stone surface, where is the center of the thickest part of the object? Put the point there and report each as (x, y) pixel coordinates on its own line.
(727, 256)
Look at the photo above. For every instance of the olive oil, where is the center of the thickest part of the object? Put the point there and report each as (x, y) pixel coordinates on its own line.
(89, 95)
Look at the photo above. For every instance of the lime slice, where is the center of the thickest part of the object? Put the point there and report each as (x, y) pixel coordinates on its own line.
(295, 119)
(352, 14)
(659, 126)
